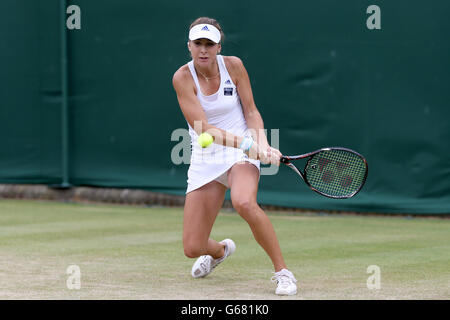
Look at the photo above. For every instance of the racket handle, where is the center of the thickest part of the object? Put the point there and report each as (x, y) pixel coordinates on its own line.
(284, 159)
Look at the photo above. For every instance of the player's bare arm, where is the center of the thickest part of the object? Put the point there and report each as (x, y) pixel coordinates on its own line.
(252, 116)
(196, 117)
(193, 112)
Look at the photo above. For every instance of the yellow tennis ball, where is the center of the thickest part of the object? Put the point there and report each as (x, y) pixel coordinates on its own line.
(205, 139)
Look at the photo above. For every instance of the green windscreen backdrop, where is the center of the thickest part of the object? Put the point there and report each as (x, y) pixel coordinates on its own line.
(319, 75)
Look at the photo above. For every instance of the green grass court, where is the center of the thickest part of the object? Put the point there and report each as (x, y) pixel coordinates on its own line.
(127, 252)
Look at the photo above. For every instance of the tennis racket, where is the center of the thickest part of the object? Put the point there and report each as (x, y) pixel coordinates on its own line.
(336, 172)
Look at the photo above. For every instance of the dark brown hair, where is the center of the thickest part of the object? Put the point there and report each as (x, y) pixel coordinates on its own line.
(210, 21)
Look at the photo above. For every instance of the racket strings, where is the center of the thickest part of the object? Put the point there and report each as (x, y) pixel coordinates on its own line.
(336, 173)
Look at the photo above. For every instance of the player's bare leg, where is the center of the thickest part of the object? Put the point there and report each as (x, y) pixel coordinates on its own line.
(201, 209)
(243, 180)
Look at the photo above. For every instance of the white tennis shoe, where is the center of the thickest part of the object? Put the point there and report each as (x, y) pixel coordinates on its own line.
(286, 283)
(205, 264)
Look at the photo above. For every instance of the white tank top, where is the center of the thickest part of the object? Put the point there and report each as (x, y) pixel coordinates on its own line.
(223, 110)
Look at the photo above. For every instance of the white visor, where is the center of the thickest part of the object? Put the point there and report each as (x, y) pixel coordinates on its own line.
(207, 31)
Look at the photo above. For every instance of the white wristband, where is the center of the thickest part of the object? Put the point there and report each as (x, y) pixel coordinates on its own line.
(246, 144)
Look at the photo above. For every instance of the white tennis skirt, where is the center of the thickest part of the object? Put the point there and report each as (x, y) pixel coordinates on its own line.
(212, 164)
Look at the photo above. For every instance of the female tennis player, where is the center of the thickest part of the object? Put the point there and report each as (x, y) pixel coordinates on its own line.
(215, 96)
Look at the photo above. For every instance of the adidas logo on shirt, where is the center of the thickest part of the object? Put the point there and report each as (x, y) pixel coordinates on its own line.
(228, 81)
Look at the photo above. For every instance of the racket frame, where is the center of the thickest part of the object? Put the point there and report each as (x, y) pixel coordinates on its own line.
(287, 161)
